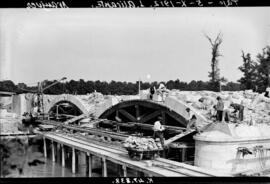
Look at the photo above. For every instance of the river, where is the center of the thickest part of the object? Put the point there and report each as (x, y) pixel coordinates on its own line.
(24, 158)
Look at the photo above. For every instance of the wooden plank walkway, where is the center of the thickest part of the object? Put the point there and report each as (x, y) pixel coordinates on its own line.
(112, 155)
(159, 167)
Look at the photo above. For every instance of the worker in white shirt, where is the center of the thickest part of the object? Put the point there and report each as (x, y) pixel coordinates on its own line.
(190, 113)
(162, 91)
(158, 131)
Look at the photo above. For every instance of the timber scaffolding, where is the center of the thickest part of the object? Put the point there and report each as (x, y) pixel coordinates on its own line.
(159, 167)
(113, 153)
(108, 151)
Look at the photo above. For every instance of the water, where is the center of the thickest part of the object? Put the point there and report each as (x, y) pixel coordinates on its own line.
(24, 158)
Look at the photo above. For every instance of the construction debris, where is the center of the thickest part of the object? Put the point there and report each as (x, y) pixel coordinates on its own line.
(256, 106)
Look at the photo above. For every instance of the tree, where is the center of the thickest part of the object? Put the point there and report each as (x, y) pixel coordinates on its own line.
(214, 74)
(263, 69)
(8, 85)
(249, 70)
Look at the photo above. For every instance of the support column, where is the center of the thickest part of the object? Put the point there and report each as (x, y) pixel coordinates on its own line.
(58, 152)
(73, 161)
(104, 167)
(44, 147)
(137, 112)
(163, 118)
(53, 152)
(117, 126)
(90, 160)
(124, 170)
(63, 155)
(183, 154)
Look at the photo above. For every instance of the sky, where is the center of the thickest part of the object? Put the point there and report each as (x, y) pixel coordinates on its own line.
(127, 44)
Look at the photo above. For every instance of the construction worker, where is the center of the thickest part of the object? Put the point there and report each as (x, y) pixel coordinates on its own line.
(162, 91)
(219, 108)
(158, 131)
(226, 111)
(240, 109)
(192, 123)
(190, 114)
(206, 102)
(152, 92)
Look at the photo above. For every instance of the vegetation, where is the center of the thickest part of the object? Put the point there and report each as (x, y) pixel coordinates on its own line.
(256, 76)
(214, 74)
(81, 87)
(249, 70)
(256, 73)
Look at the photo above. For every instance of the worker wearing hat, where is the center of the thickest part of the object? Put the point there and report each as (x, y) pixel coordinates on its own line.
(158, 130)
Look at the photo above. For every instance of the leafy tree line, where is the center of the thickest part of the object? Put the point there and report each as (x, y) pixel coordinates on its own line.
(256, 72)
(256, 76)
(81, 87)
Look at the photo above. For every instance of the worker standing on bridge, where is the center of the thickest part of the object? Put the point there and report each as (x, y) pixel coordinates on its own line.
(152, 92)
(219, 108)
(162, 91)
(158, 131)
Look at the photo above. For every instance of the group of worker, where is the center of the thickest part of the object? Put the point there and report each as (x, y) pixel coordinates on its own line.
(162, 91)
(223, 111)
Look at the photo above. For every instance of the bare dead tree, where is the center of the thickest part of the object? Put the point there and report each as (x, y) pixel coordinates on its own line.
(214, 74)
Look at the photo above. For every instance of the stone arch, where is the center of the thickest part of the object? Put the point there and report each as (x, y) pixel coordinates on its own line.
(68, 98)
(144, 111)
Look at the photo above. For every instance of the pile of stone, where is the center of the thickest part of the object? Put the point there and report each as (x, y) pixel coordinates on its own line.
(257, 107)
(93, 98)
(9, 126)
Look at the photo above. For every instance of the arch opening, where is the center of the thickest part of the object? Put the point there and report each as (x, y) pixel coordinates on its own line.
(64, 110)
(144, 113)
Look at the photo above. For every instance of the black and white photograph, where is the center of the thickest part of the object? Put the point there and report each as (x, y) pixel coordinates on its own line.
(134, 93)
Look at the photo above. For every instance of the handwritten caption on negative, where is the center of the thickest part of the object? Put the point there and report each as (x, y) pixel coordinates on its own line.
(164, 3)
(41, 4)
(138, 3)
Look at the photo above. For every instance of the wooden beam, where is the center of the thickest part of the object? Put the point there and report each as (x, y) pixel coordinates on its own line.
(184, 154)
(168, 141)
(137, 112)
(117, 113)
(150, 104)
(124, 170)
(53, 152)
(90, 164)
(76, 118)
(163, 118)
(121, 105)
(149, 116)
(73, 160)
(63, 155)
(127, 115)
(104, 167)
(179, 119)
(44, 147)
